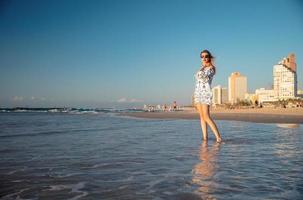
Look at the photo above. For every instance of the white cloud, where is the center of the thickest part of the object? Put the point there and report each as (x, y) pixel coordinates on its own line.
(17, 98)
(125, 100)
(32, 98)
(136, 100)
(121, 100)
(37, 98)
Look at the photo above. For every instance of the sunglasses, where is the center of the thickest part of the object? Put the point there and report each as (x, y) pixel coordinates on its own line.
(206, 56)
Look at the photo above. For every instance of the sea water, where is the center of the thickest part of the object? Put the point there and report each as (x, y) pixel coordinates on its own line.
(105, 156)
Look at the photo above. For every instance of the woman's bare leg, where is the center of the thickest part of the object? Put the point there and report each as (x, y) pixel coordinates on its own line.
(210, 122)
(203, 122)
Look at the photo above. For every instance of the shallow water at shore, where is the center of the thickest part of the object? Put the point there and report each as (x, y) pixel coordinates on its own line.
(102, 156)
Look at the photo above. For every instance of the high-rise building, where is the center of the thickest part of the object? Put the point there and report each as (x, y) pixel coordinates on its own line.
(219, 95)
(285, 78)
(290, 62)
(216, 95)
(237, 87)
(224, 95)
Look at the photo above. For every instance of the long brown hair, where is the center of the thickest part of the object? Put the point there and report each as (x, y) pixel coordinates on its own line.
(211, 58)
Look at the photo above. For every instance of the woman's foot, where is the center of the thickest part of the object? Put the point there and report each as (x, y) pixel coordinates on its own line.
(219, 140)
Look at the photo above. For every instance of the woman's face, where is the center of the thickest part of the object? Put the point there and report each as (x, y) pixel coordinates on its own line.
(205, 58)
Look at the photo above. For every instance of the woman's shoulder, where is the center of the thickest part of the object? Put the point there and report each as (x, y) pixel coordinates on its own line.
(212, 69)
(212, 66)
(209, 67)
(204, 68)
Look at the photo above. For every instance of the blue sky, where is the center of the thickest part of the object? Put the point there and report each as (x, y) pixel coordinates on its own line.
(116, 53)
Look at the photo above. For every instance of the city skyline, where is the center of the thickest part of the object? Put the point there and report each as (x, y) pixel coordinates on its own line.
(284, 86)
(126, 54)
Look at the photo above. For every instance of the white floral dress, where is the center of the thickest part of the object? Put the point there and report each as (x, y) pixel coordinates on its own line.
(203, 92)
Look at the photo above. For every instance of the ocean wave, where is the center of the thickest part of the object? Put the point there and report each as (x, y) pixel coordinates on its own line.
(68, 110)
(59, 132)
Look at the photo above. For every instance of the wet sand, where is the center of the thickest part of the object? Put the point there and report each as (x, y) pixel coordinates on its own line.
(263, 115)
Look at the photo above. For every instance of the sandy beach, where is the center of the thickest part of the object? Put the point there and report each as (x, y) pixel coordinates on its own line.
(259, 115)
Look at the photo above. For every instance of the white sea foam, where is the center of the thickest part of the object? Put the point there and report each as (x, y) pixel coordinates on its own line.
(16, 170)
(74, 188)
(15, 195)
(77, 189)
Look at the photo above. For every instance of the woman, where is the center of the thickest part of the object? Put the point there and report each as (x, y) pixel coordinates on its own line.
(203, 94)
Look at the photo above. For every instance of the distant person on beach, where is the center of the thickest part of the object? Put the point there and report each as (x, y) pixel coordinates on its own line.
(203, 94)
(165, 108)
(175, 105)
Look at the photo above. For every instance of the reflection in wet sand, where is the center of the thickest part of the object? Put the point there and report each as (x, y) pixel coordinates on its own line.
(204, 171)
(288, 125)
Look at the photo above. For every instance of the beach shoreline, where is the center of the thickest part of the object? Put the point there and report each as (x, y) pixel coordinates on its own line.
(264, 115)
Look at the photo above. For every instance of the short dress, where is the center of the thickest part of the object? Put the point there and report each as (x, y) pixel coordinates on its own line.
(203, 91)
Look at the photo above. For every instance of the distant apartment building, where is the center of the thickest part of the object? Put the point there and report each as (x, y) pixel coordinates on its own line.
(237, 87)
(219, 95)
(216, 95)
(252, 98)
(264, 95)
(285, 78)
(300, 93)
(224, 95)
